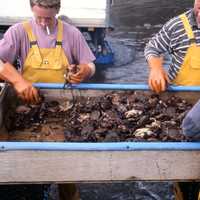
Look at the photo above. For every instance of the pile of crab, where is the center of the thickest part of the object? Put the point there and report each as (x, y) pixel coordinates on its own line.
(114, 117)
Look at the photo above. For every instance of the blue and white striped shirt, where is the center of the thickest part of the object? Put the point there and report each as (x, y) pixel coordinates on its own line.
(172, 38)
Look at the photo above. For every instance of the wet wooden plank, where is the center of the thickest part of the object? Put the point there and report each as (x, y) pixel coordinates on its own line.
(77, 166)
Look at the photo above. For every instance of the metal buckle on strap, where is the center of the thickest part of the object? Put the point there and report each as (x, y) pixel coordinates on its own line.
(192, 40)
(33, 43)
(59, 43)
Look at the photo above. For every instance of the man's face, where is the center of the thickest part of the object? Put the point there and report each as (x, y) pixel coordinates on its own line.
(44, 16)
(197, 11)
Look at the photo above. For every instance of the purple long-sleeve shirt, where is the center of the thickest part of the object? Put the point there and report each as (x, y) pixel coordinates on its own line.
(15, 43)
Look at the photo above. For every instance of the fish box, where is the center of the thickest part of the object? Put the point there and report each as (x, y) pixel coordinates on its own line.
(46, 162)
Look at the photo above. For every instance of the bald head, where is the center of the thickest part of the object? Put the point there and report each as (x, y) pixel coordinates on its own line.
(196, 4)
(195, 1)
(197, 11)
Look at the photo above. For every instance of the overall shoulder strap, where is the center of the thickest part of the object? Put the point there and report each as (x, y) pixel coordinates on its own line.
(187, 27)
(60, 33)
(59, 39)
(31, 36)
(32, 39)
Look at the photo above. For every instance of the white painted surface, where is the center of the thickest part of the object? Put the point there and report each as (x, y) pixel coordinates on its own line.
(85, 11)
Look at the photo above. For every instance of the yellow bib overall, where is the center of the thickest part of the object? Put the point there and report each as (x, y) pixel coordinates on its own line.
(189, 74)
(45, 64)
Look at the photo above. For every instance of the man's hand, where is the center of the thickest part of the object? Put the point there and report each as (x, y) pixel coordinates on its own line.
(27, 92)
(24, 88)
(82, 73)
(158, 78)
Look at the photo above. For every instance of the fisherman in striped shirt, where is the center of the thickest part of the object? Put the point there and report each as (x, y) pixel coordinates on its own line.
(180, 37)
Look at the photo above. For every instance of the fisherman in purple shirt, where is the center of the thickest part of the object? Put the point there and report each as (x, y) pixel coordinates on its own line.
(49, 50)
